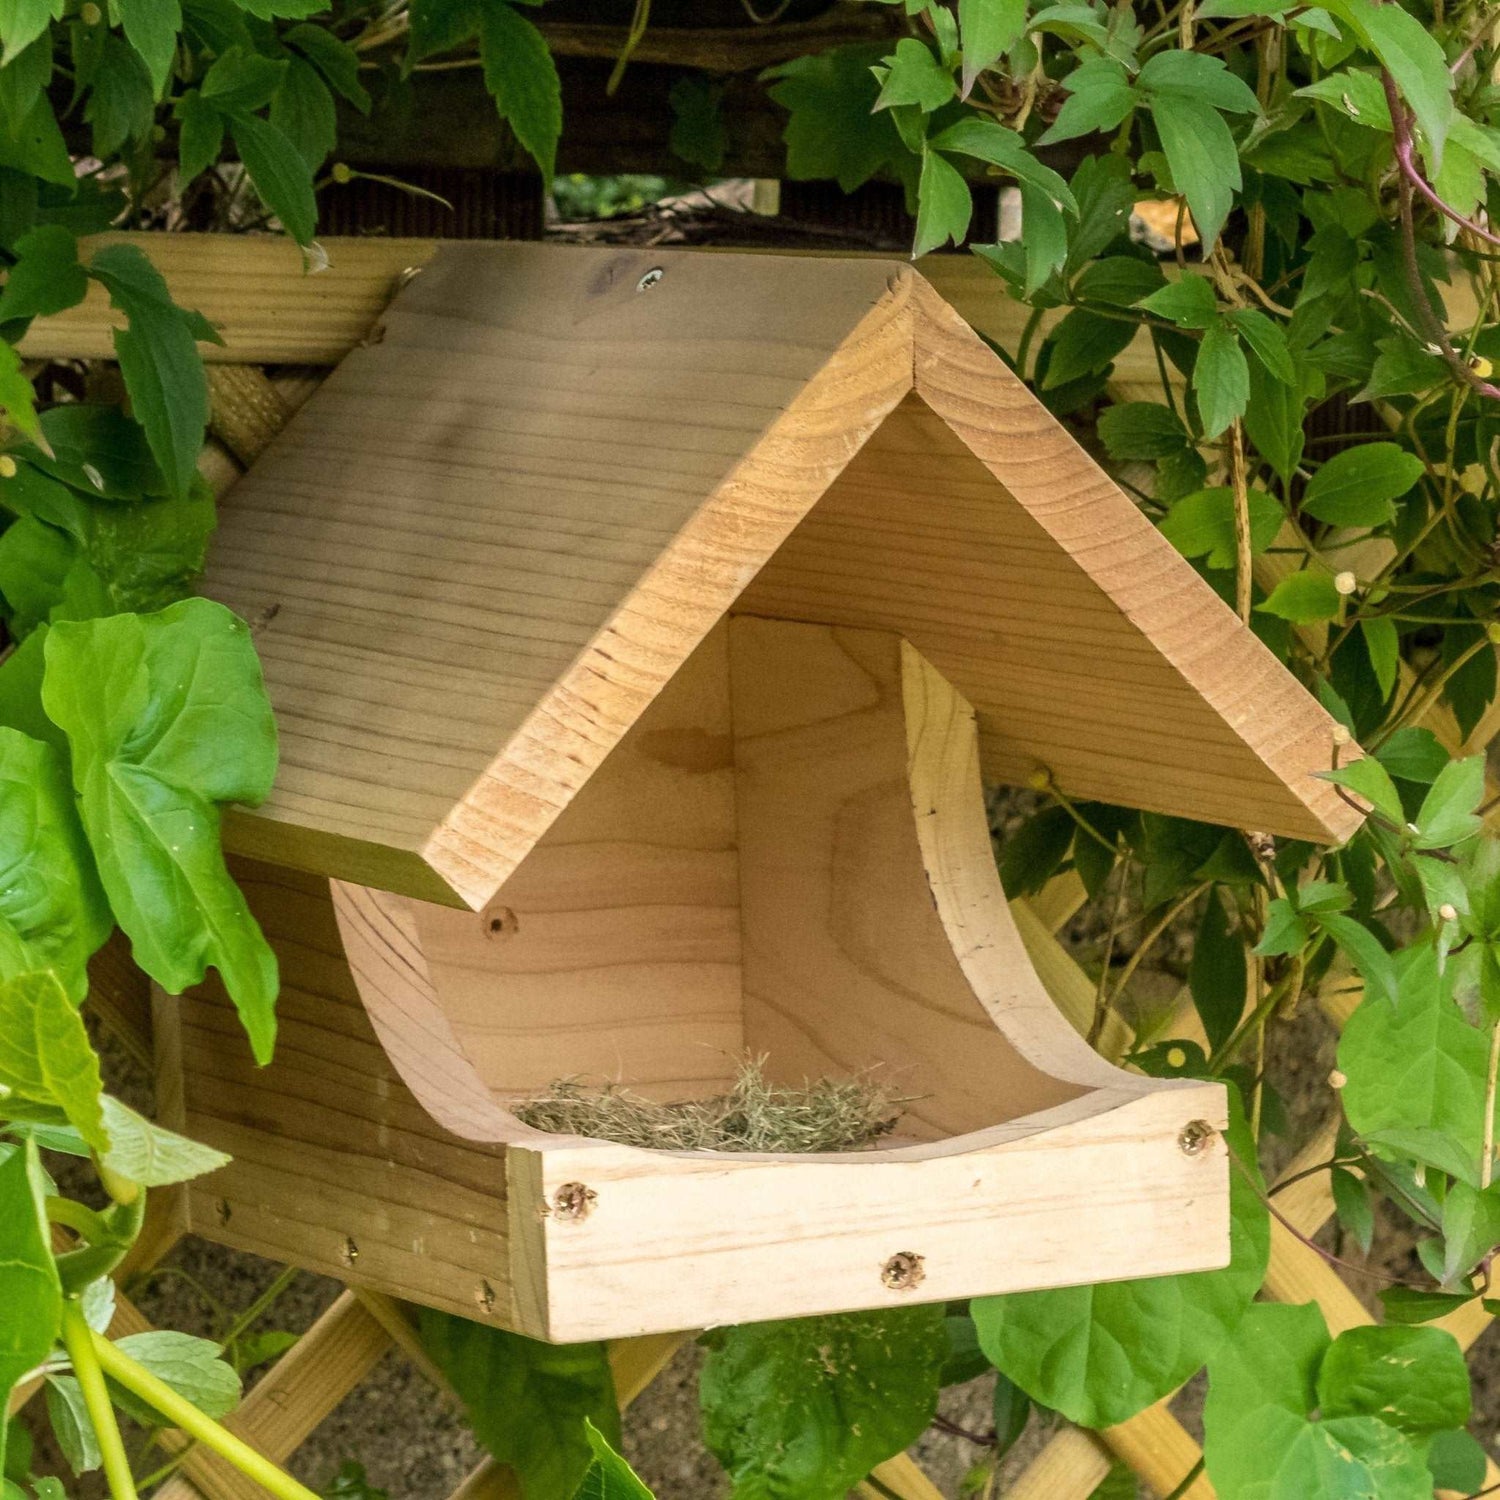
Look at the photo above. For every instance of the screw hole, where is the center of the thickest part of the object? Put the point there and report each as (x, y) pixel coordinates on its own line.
(650, 279)
(222, 1211)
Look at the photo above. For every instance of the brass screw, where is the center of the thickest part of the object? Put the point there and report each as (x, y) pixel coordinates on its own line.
(574, 1200)
(350, 1253)
(650, 279)
(222, 1211)
(1194, 1137)
(903, 1271)
(485, 1297)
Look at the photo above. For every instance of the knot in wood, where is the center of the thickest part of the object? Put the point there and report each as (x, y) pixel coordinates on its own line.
(1194, 1137)
(574, 1200)
(903, 1272)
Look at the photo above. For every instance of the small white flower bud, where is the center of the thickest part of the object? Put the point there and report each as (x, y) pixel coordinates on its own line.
(1337, 1079)
(1448, 912)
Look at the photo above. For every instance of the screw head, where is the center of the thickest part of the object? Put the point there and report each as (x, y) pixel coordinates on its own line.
(650, 279)
(903, 1272)
(484, 1296)
(222, 1211)
(1195, 1137)
(350, 1251)
(574, 1200)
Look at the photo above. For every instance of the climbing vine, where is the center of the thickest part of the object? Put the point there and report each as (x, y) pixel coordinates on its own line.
(1295, 381)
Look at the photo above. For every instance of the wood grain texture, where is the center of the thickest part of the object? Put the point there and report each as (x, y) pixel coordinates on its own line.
(493, 535)
(878, 759)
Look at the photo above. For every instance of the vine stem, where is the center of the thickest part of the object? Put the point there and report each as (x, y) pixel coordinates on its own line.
(181, 1413)
(78, 1340)
(1492, 1078)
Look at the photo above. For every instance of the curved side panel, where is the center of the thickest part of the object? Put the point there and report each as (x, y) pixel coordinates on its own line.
(384, 951)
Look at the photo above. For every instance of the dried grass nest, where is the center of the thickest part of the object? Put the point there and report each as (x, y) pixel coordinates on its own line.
(755, 1115)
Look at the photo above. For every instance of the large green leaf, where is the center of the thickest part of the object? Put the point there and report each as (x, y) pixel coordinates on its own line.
(46, 277)
(279, 172)
(151, 27)
(803, 1410)
(22, 22)
(522, 78)
(1416, 1071)
(988, 29)
(167, 717)
(1221, 380)
(53, 914)
(149, 1154)
(1099, 1354)
(1411, 1378)
(1357, 487)
(608, 1477)
(1204, 160)
(46, 1057)
(159, 358)
(30, 1292)
(529, 1403)
(1260, 1441)
(193, 1367)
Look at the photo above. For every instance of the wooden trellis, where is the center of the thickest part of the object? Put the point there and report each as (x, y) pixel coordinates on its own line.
(272, 315)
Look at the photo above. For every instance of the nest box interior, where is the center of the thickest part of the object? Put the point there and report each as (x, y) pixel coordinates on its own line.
(641, 627)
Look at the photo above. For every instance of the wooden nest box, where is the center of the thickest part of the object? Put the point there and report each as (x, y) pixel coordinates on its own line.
(640, 625)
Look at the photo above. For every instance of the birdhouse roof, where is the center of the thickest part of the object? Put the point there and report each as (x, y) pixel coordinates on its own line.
(481, 549)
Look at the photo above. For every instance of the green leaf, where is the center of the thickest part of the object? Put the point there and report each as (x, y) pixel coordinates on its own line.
(1407, 1305)
(699, 135)
(1221, 380)
(336, 60)
(150, 1155)
(46, 1057)
(1031, 855)
(46, 277)
(22, 22)
(1383, 644)
(1303, 598)
(832, 129)
(280, 175)
(17, 397)
(1351, 1201)
(1045, 236)
(22, 81)
(303, 111)
(1267, 341)
(522, 79)
(1356, 487)
(989, 141)
(1376, 966)
(1203, 157)
(1218, 974)
(1416, 1072)
(159, 360)
(944, 206)
(1141, 430)
(1203, 525)
(201, 137)
(1260, 1440)
(1457, 1461)
(30, 1291)
(1369, 778)
(1450, 810)
(1099, 98)
(121, 105)
(71, 1424)
(38, 149)
(167, 717)
(913, 75)
(1414, 58)
(1411, 1378)
(53, 914)
(608, 1477)
(1188, 302)
(97, 450)
(529, 1403)
(988, 30)
(1285, 931)
(807, 1408)
(151, 27)
(1198, 76)
(1471, 1229)
(1085, 343)
(243, 80)
(1413, 755)
(193, 1367)
(1099, 1354)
